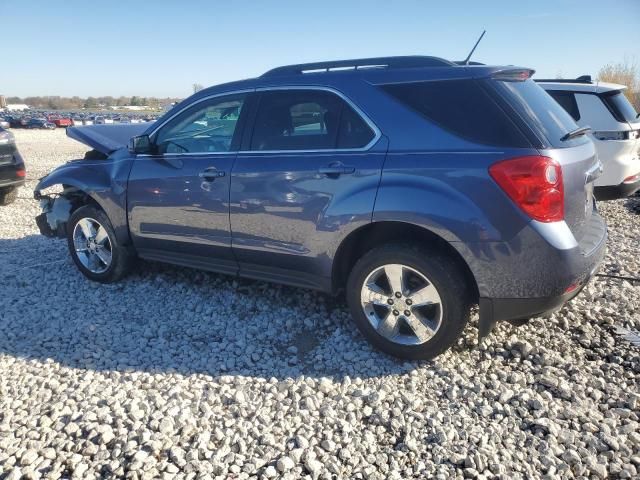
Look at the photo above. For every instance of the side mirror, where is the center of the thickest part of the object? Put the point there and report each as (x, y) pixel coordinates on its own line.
(140, 144)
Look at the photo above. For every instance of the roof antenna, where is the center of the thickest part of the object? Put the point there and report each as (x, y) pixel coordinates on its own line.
(466, 60)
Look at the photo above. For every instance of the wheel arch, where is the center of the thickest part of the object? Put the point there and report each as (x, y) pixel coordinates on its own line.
(58, 208)
(375, 234)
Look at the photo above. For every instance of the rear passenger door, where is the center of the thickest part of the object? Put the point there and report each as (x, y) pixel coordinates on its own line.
(309, 167)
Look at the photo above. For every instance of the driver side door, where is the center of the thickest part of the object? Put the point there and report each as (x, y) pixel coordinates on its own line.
(178, 197)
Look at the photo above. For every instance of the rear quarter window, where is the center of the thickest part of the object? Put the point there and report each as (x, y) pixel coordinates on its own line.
(462, 107)
(539, 111)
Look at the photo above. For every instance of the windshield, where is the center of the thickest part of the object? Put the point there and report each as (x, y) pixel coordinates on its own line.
(541, 111)
(620, 106)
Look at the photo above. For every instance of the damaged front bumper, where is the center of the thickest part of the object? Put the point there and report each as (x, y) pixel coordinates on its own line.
(56, 209)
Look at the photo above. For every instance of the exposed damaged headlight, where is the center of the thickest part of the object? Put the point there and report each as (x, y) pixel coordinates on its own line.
(56, 209)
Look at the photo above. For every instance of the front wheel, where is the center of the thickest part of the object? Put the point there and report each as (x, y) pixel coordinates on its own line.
(408, 302)
(94, 248)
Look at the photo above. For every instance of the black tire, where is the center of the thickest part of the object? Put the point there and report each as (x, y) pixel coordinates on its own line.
(122, 257)
(445, 275)
(8, 195)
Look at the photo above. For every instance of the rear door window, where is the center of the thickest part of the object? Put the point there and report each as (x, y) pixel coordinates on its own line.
(619, 106)
(567, 100)
(308, 120)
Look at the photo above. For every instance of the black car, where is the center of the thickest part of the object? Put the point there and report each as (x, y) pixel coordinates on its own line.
(12, 171)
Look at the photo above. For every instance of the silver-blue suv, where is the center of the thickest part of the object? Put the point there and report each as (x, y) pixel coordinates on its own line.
(417, 186)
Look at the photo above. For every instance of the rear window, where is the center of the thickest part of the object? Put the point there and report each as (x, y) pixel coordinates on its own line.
(567, 100)
(619, 106)
(540, 111)
(462, 107)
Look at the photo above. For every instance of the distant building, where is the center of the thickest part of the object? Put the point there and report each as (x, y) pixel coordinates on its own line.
(131, 107)
(15, 107)
(3, 101)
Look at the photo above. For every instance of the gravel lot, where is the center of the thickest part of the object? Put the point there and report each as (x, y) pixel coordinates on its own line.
(175, 373)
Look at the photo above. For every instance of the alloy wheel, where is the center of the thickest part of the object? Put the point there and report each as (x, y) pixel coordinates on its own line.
(401, 304)
(92, 245)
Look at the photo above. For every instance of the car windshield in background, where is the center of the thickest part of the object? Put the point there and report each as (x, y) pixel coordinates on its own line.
(620, 106)
(536, 106)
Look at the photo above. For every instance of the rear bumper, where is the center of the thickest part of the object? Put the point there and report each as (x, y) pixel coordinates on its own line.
(493, 310)
(614, 192)
(9, 175)
(543, 279)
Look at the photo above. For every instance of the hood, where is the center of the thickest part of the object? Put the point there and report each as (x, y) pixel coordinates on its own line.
(106, 138)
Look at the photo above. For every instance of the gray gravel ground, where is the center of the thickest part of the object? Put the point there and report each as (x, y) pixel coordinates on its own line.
(175, 373)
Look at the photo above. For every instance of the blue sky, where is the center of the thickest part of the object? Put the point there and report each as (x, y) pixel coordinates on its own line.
(160, 48)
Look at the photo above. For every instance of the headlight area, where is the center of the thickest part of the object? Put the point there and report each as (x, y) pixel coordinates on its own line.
(56, 210)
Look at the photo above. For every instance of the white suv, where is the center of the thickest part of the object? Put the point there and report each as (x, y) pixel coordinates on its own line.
(615, 130)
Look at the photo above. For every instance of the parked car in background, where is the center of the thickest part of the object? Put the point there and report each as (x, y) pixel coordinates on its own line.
(19, 122)
(62, 122)
(12, 169)
(41, 123)
(417, 186)
(4, 123)
(615, 130)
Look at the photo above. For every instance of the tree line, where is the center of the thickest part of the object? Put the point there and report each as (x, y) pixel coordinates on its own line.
(76, 103)
(625, 73)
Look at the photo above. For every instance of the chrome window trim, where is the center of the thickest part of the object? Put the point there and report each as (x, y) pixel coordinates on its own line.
(356, 108)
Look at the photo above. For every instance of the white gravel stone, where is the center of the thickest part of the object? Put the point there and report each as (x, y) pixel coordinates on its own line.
(176, 373)
(285, 464)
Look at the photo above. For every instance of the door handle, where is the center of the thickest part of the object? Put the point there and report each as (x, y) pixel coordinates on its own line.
(211, 173)
(336, 169)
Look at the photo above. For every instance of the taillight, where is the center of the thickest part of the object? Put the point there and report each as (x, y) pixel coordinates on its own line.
(21, 173)
(632, 179)
(6, 138)
(534, 183)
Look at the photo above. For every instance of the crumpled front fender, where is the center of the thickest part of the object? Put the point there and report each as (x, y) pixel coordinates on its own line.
(102, 181)
(80, 176)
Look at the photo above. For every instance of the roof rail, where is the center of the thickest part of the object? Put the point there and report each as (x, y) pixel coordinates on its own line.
(580, 79)
(360, 64)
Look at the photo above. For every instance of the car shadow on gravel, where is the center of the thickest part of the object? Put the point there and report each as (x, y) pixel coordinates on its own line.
(170, 319)
(633, 204)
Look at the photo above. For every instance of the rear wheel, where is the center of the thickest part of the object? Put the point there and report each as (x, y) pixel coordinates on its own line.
(408, 302)
(8, 195)
(94, 248)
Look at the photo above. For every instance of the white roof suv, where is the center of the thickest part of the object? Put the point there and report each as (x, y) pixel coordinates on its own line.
(615, 130)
